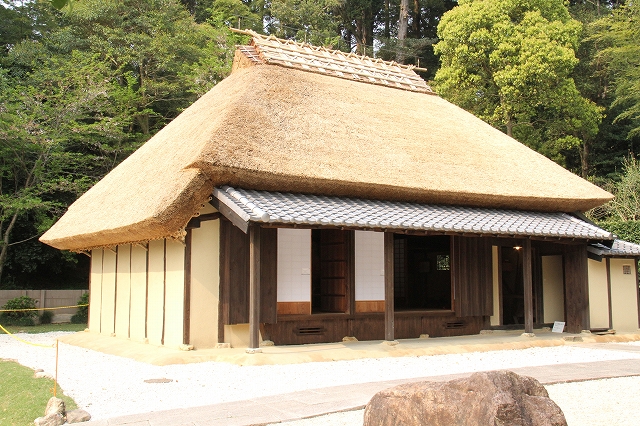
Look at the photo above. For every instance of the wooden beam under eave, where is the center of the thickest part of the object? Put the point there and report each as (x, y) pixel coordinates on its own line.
(232, 216)
(389, 313)
(527, 279)
(254, 289)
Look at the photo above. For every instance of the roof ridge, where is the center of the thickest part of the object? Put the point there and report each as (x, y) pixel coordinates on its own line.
(254, 34)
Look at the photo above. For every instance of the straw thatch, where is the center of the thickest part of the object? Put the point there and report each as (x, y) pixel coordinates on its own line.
(273, 128)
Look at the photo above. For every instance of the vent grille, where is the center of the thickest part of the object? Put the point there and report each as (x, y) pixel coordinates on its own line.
(309, 331)
(453, 325)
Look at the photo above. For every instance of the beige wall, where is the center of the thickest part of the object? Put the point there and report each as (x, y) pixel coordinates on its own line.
(155, 302)
(552, 288)
(598, 294)
(108, 309)
(205, 281)
(174, 290)
(495, 318)
(624, 296)
(95, 290)
(138, 316)
(123, 291)
(237, 335)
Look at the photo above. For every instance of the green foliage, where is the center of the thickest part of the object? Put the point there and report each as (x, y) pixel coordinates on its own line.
(46, 317)
(23, 397)
(20, 315)
(618, 34)
(510, 63)
(627, 231)
(82, 314)
(625, 206)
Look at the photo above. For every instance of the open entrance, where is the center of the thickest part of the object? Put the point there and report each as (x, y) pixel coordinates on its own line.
(330, 270)
(512, 286)
(422, 268)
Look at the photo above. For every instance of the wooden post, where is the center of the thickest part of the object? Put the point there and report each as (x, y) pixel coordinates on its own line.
(186, 325)
(608, 265)
(527, 279)
(254, 289)
(576, 282)
(388, 287)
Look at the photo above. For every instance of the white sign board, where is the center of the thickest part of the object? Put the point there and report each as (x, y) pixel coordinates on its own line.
(558, 327)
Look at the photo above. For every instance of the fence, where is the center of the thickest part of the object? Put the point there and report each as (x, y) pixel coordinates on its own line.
(48, 299)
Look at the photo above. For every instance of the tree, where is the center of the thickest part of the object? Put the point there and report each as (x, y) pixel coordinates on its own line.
(311, 21)
(510, 63)
(78, 96)
(618, 34)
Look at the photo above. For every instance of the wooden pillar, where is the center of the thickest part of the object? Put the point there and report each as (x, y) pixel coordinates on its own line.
(388, 287)
(254, 289)
(186, 326)
(527, 279)
(576, 282)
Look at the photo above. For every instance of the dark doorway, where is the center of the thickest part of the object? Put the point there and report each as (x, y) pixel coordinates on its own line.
(512, 286)
(330, 250)
(422, 268)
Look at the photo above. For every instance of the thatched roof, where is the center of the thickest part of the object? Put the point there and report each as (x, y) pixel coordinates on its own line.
(279, 128)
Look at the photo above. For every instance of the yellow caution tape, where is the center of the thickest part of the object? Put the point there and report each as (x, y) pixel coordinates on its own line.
(24, 341)
(41, 309)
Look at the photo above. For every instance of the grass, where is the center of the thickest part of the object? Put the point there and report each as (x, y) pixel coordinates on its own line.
(23, 398)
(42, 328)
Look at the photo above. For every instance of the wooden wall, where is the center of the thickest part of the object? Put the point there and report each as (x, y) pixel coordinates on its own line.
(234, 275)
(297, 330)
(576, 284)
(472, 266)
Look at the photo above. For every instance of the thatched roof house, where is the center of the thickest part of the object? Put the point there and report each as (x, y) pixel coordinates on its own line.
(281, 125)
(312, 182)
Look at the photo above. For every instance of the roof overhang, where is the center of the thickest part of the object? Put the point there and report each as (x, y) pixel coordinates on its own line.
(619, 248)
(243, 207)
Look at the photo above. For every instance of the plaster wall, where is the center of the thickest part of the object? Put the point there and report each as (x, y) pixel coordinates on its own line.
(155, 302)
(624, 295)
(123, 291)
(294, 265)
(598, 294)
(205, 283)
(369, 267)
(95, 290)
(138, 315)
(174, 294)
(552, 288)
(495, 258)
(107, 317)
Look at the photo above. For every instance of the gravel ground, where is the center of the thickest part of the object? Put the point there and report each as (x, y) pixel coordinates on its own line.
(609, 402)
(108, 386)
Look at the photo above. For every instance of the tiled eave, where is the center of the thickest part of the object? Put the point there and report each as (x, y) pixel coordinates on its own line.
(619, 248)
(312, 211)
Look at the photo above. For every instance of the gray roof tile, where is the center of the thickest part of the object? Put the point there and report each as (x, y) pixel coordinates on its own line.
(301, 209)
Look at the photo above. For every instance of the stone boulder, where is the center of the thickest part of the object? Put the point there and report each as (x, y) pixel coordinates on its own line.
(78, 416)
(496, 398)
(55, 406)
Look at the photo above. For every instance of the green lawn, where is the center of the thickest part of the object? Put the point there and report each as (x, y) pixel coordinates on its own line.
(42, 328)
(23, 398)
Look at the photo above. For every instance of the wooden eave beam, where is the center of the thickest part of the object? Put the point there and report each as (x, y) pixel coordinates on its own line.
(233, 217)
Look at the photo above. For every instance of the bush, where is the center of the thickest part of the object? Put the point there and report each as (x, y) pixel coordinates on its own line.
(46, 317)
(82, 315)
(19, 317)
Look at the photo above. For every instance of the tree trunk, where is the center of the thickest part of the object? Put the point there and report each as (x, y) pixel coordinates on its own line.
(5, 243)
(584, 159)
(403, 24)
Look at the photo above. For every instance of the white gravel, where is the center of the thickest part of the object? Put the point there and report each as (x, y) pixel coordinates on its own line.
(102, 383)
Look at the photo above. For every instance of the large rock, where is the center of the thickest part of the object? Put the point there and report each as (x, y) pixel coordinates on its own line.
(78, 416)
(53, 419)
(55, 406)
(496, 398)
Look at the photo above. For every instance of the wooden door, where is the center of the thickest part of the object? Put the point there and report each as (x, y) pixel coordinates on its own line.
(331, 270)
